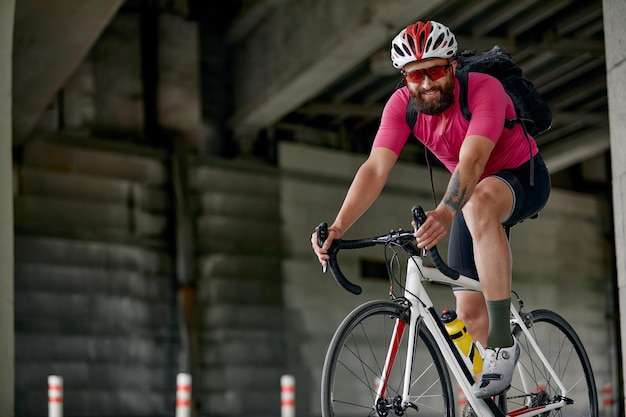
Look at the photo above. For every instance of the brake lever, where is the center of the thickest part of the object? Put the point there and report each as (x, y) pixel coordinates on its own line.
(322, 235)
(419, 217)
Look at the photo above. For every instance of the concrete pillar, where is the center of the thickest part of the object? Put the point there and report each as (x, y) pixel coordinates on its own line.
(217, 88)
(7, 370)
(615, 46)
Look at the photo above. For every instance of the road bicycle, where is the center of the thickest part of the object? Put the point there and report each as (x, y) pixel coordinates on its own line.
(394, 357)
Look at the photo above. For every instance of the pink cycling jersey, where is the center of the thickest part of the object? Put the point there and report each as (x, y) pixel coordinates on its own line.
(443, 134)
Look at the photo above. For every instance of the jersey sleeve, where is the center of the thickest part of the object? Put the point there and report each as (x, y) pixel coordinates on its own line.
(393, 131)
(489, 105)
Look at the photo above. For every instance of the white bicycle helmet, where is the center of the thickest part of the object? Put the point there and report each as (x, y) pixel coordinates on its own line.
(422, 41)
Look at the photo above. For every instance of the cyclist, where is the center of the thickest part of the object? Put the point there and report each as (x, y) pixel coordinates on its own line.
(490, 184)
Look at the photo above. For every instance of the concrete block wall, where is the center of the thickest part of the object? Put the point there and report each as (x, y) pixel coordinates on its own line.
(94, 290)
(241, 313)
(561, 259)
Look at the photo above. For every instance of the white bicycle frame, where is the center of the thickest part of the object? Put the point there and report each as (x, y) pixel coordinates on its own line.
(420, 303)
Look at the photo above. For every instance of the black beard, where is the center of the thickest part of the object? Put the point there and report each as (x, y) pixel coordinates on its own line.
(432, 107)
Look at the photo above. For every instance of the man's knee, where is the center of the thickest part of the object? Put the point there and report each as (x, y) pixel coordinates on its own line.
(470, 306)
(480, 207)
(470, 314)
(491, 202)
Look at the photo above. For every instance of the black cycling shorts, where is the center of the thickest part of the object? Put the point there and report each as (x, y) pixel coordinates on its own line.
(527, 202)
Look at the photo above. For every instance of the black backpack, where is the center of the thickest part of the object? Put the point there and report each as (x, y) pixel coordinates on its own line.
(532, 111)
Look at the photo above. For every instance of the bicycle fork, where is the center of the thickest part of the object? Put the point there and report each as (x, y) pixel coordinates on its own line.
(398, 405)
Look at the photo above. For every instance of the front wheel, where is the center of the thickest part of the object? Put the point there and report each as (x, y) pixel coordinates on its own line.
(354, 368)
(533, 386)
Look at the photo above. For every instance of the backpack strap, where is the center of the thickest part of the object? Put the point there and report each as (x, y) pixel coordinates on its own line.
(463, 102)
(462, 77)
(411, 115)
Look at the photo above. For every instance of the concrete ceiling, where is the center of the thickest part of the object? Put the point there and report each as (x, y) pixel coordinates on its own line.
(51, 39)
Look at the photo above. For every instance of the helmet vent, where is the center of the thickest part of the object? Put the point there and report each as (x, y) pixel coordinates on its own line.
(398, 50)
(421, 43)
(440, 40)
(411, 43)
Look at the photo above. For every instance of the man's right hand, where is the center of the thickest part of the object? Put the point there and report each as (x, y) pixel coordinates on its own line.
(322, 251)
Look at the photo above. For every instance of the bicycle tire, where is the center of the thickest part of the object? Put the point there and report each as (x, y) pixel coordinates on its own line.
(565, 352)
(355, 359)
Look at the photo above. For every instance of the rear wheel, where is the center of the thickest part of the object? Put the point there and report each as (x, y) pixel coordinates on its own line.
(532, 385)
(353, 368)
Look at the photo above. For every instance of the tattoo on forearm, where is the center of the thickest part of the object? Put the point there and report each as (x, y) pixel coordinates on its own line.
(456, 195)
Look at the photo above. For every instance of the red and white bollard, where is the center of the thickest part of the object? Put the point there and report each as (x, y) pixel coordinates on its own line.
(607, 397)
(287, 396)
(183, 395)
(377, 382)
(55, 396)
(462, 399)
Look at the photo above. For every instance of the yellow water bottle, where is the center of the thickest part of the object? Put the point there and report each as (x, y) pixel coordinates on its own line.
(462, 339)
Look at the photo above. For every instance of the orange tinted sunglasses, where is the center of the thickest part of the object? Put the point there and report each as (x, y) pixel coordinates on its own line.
(434, 73)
